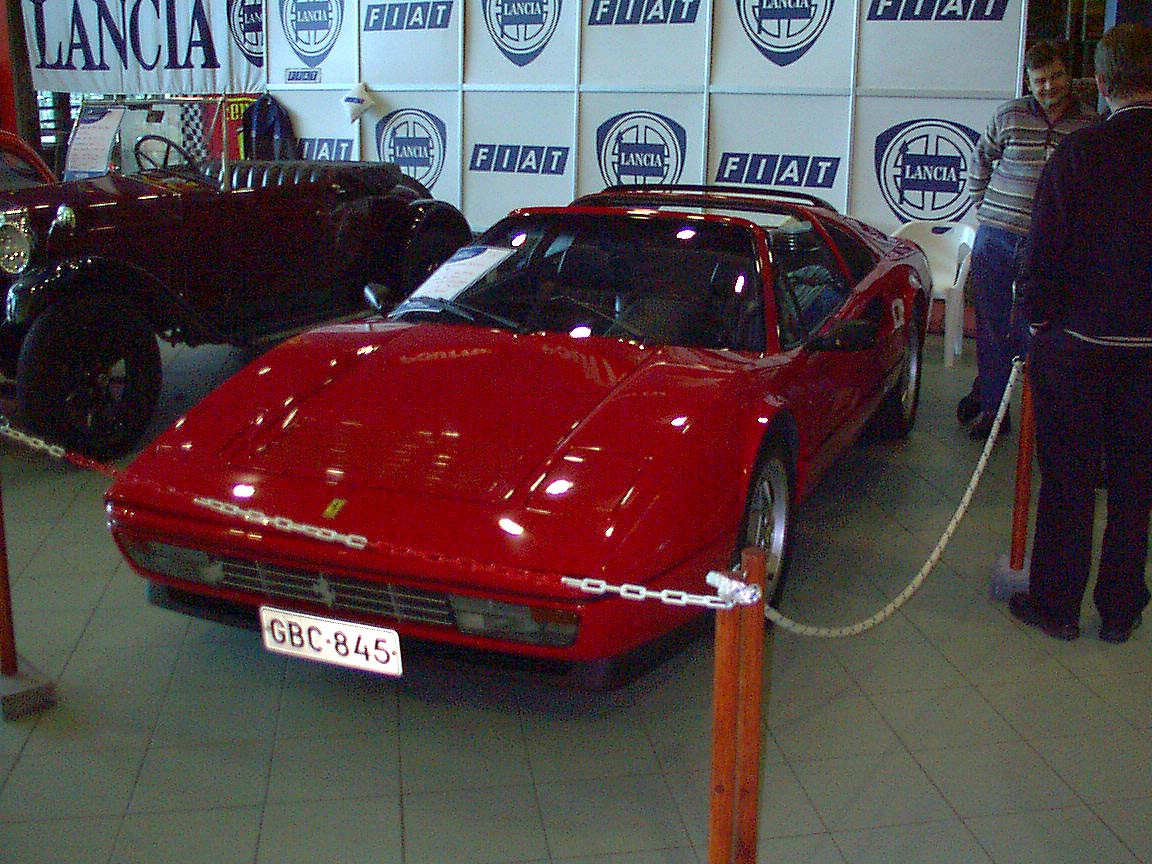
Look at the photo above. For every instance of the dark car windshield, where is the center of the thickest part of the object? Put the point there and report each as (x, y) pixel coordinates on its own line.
(653, 279)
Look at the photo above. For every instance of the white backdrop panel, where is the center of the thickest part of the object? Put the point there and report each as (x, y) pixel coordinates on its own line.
(521, 42)
(639, 138)
(410, 44)
(644, 43)
(910, 158)
(321, 123)
(518, 149)
(312, 42)
(784, 141)
(945, 46)
(421, 132)
(783, 46)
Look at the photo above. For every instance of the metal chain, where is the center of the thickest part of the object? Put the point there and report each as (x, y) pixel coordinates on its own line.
(282, 523)
(9, 431)
(668, 596)
(31, 441)
(732, 592)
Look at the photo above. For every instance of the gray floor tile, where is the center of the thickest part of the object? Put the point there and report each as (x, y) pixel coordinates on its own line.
(216, 836)
(1071, 836)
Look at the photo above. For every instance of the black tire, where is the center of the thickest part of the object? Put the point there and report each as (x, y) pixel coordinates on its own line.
(897, 414)
(768, 515)
(89, 375)
(426, 250)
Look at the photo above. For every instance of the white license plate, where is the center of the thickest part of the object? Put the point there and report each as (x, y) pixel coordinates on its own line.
(342, 643)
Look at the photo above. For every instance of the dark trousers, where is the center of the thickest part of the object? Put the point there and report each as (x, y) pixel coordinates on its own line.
(1091, 400)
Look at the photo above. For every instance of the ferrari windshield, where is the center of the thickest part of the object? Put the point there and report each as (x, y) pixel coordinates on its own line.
(657, 280)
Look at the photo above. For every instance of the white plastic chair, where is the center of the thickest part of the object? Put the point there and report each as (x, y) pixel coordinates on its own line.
(948, 246)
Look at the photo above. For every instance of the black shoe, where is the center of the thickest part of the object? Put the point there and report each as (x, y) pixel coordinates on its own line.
(1024, 608)
(982, 426)
(1117, 634)
(968, 408)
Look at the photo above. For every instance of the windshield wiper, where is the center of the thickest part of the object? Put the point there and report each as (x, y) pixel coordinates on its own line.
(461, 310)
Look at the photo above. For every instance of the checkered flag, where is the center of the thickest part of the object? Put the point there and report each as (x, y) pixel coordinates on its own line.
(192, 131)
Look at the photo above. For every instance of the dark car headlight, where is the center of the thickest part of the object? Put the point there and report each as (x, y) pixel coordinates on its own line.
(15, 242)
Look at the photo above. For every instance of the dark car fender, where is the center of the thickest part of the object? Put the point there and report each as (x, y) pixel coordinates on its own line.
(435, 229)
(32, 293)
(429, 214)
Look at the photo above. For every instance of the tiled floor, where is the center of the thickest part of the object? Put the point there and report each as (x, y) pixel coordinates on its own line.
(947, 734)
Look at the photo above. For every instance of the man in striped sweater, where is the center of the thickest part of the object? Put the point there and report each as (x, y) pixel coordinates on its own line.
(1002, 175)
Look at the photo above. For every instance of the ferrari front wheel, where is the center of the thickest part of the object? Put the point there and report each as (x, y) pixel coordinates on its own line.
(897, 414)
(768, 516)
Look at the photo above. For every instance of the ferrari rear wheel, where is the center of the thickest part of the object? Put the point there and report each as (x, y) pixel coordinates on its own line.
(89, 375)
(768, 516)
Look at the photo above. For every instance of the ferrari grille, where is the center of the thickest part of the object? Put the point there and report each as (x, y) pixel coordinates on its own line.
(344, 595)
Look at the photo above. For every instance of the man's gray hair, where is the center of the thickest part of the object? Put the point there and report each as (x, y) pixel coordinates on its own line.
(1124, 60)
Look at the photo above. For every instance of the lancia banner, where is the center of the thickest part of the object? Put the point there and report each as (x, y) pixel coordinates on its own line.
(146, 46)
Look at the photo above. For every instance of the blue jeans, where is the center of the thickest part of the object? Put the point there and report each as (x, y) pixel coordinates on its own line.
(995, 261)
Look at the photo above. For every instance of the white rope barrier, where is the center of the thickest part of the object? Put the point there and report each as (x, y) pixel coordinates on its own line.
(933, 559)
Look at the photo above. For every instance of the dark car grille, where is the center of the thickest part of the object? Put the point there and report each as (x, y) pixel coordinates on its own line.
(340, 595)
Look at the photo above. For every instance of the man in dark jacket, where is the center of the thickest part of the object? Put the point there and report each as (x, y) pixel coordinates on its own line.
(1088, 292)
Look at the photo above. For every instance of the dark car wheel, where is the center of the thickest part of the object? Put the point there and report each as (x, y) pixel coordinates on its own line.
(897, 414)
(89, 375)
(768, 516)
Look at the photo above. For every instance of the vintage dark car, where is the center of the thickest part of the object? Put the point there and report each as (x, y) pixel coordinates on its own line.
(191, 250)
(628, 390)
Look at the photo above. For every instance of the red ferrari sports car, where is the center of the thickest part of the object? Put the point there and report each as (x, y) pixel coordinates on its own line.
(631, 388)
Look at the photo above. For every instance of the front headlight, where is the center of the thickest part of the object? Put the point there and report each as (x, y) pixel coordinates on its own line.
(178, 562)
(15, 242)
(514, 622)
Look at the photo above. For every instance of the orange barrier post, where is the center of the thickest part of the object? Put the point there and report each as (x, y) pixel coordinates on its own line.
(20, 695)
(736, 712)
(1023, 474)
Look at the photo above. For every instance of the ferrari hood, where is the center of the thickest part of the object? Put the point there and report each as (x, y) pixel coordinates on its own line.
(538, 452)
(435, 411)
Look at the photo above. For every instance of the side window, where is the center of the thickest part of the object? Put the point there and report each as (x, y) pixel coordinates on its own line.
(809, 283)
(734, 314)
(857, 256)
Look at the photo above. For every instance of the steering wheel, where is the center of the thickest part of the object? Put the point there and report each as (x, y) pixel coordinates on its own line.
(147, 157)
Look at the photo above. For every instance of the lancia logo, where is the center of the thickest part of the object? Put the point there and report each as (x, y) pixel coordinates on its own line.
(922, 169)
(521, 29)
(784, 30)
(414, 140)
(312, 27)
(641, 148)
(246, 24)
